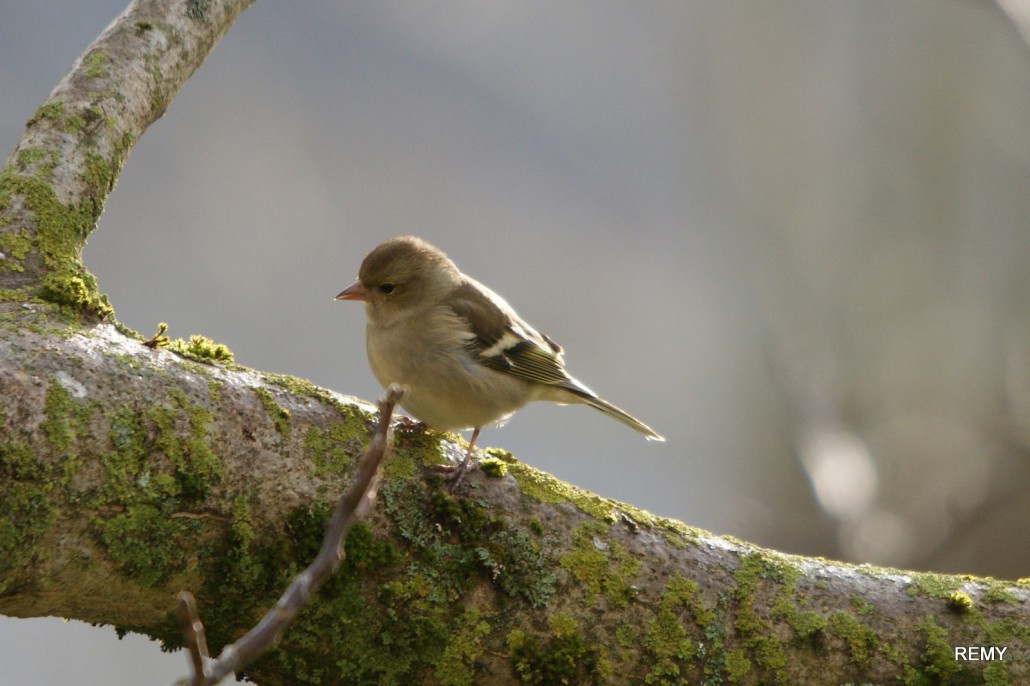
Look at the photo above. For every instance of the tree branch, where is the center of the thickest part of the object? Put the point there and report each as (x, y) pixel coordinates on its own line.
(196, 640)
(353, 505)
(54, 184)
(128, 473)
(106, 444)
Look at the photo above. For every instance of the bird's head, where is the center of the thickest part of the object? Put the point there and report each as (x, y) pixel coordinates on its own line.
(400, 275)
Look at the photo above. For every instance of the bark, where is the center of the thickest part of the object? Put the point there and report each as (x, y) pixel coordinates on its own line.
(55, 182)
(129, 473)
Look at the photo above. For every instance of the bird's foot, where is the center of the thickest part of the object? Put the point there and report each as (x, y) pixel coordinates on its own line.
(458, 477)
(454, 474)
(408, 425)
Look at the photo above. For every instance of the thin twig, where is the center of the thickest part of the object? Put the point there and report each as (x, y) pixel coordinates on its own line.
(193, 629)
(354, 504)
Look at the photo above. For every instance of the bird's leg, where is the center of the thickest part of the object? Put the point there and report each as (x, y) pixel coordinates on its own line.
(456, 474)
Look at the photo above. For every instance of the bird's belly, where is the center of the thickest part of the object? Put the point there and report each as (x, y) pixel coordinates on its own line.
(446, 388)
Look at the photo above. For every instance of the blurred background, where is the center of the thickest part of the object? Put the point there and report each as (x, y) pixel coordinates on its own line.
(792, 236)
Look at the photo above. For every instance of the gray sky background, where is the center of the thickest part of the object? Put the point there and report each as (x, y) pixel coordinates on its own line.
(792, 236)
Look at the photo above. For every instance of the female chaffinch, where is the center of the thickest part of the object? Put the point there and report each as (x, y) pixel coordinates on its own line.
(466, 358)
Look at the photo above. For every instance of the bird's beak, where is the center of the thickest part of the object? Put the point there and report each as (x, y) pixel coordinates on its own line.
(355, 291)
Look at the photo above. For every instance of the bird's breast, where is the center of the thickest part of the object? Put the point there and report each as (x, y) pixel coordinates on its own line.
(447, 388)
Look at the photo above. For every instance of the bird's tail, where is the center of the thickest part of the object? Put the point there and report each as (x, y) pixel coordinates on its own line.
(619, 414)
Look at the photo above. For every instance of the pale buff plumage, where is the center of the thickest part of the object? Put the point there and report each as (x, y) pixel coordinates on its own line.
(467, 359)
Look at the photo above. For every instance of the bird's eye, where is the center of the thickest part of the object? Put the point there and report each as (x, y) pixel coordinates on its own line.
(386, 288)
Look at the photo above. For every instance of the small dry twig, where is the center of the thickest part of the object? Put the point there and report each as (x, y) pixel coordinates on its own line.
(353, 505)
(158, 340)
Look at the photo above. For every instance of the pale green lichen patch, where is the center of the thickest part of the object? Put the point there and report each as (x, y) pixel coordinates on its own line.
(148, 544)
(754, 631)
(933, 585)
(62, 414)
(331, 449)
(28, 489)
(279, 415)
(737, 665)
(787, 607)
(457, 664)
(57, 238)
(474, 540)
(603, 568)
(99, 178)
(805, 623)
(561, 657)
(958, 593)
(197, 9)
(407, 618)
(996, 674)
(302, 387)
(667, 643)
(626, 634)
(938, 659)
(545, 488)
(412, 449)
(196, 468)
(65, 419)
(29, 156)
(51, 110)
(327, 456)
(214, 390)
(861, 640)
(14, 246)
(354, 413)
(159, 457)
(859, 604)
(999, 594)
(1002, 633)
(38, 162)
(94, 63)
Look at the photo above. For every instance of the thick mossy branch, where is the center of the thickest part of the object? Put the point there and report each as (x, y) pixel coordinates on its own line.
(355, 503)
(54, 184)
(128, 473)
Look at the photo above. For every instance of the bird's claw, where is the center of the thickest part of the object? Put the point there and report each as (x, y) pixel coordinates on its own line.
(408, 425)
(454, 474)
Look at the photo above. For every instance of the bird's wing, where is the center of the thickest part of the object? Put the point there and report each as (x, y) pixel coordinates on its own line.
(500, 340)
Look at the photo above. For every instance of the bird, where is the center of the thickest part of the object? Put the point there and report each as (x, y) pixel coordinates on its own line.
(464, 356)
